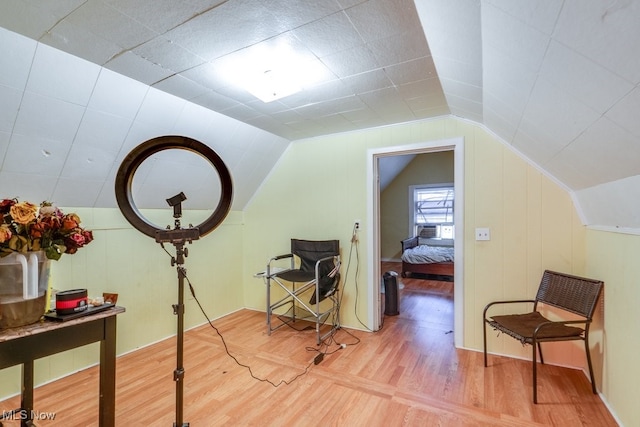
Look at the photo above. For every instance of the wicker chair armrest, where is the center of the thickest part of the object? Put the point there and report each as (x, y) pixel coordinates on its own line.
(560, 322)
(486, 308)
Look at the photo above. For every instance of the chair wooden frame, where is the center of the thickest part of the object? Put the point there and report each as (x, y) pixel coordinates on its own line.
(577, 295)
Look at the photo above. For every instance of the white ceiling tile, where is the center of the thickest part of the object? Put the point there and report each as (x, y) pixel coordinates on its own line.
(4, 144)
(584, 79)
(424, 102)
(289, 15)
(351, 61)
(138, 68)
(194, 122)
(33, 19)
(470, 106)
(138, 133)
(88, 162)
(160, 109)
(541, 14)
(349, 3)
(557, 115)
(215, 101)
(215, 33)
(460, 71)
(43, 117)
(117, 95)
(606, 32)
(412, 71)
(498, 70)
(16, 56)
(368, 81)
(35, 155)
(597, 203)
(429, 113)
(625, 112)
(173, 13)
(336, 121)
(523, 44)
(571, 175)
(167, 55)
(102, 130)
(603, 143)
(31, 187)
(531, 140)
(503, 127)
(386, 49)
(211, 74)
(10, 105)
(320, 36)
(358, 115)
(78, 192)
(181, 87)
(512, 98)
(456, 88)
(58, 75)
(240, 95)
(498, 108)
(383, 18)
(470, 114)
(107, 196)
(453, 29)
(101, 19)
(80, 42)
(242, 112)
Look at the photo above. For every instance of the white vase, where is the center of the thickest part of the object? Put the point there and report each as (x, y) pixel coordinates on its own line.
(23, 287)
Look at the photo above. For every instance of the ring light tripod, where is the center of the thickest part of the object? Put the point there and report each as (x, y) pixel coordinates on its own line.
(177, 236)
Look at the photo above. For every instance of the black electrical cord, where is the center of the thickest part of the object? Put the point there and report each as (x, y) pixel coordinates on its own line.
(226, 348)
(354, 243)
(324, 346)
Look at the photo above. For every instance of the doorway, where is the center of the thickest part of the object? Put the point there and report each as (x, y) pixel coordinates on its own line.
(373, 225)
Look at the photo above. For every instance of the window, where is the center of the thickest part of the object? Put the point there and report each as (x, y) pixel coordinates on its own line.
(432, 211)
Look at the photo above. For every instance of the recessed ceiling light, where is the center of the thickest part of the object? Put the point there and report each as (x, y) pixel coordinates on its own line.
(273, 70)
(271, 85)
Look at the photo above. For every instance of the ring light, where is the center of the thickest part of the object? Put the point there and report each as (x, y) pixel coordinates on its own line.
(178, 236)
(134, 159)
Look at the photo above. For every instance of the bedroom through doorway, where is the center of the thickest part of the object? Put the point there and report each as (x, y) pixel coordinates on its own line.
(417, 201)
(435, 304)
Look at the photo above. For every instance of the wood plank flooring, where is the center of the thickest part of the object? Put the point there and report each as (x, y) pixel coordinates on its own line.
(407, 374)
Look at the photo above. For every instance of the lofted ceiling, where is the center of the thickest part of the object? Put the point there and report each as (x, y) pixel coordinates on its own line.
(85, 81)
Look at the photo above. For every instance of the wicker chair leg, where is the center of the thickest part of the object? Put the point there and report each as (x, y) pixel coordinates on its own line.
(535, 372)
(484, 330)
(593, 380)
(540, 351)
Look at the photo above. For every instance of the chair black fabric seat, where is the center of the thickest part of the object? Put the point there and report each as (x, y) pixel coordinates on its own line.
(522, 326)
(298, 276)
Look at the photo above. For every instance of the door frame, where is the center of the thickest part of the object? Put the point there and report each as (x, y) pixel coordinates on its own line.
(456, 145)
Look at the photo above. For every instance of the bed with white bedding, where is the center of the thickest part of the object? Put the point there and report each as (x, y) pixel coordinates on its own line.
(426, 259)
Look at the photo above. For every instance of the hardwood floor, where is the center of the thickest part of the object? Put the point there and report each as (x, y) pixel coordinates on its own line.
(407, 374)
